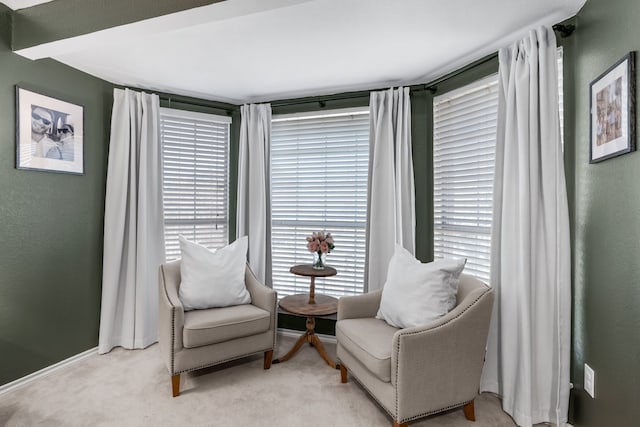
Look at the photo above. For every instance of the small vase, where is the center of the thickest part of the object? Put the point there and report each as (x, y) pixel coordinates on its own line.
(319, 260)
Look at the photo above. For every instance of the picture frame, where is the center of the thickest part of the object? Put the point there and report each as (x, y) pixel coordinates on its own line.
(612, 108)
(49, 133)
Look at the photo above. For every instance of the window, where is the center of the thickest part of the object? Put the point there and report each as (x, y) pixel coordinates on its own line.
(195, 161)
(464, 139)
(319, 169)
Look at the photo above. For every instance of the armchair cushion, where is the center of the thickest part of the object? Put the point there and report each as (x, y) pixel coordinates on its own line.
(368, 340)
(416, 294)
(204, 327)
(213, 278)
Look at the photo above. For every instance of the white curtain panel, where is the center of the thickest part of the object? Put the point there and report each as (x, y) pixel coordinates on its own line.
(133, 224)
(527, 359)
(254, 187)
(391, 214)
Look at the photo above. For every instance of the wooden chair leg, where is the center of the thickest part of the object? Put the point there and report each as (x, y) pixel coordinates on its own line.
(343, 374)
(268, 355)
(175, 384)
(469, 411)
(397, 424)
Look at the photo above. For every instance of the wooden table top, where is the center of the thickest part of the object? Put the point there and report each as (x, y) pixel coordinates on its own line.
(308, 270)
(299, 304)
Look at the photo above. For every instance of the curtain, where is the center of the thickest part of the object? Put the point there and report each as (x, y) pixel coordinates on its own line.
(391, 213)
(133, 224)
(254, 187)
(527, 360)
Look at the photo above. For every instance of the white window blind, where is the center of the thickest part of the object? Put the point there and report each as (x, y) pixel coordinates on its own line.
(195, 161)
(464, 139)
(319, 168)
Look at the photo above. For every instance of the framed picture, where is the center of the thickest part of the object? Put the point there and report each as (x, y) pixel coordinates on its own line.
(49, 133)
(612, 107)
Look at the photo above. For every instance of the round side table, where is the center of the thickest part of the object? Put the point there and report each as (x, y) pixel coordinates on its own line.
(310, 305)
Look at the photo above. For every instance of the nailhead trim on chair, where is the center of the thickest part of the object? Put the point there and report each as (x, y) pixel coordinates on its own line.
(424, 414)
(173, 321)
(222, 361)
(457, 405)
(274, 319)
(173, 337)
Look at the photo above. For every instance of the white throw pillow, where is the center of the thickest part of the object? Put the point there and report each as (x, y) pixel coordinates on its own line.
(213, 278)
(417, 294)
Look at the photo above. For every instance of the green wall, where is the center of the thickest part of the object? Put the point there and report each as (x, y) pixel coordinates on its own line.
(606, 258)
(51, 225)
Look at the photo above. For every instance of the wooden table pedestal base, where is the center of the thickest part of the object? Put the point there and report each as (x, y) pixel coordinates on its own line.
(310, 337)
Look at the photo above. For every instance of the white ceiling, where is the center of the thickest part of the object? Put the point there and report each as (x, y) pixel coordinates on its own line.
(242, 51)
(23, 4)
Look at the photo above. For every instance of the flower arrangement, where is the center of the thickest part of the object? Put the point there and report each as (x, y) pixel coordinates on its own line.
(320, 243)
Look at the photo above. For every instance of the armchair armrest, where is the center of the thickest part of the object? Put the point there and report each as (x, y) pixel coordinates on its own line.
(261, 295)
(442, 362)
(358, 306)
(170, 311)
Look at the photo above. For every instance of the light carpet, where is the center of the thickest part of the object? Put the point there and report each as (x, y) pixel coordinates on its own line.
(133, 388)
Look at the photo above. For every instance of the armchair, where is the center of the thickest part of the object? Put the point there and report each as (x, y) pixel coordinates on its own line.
(418, 371)
(197, 339)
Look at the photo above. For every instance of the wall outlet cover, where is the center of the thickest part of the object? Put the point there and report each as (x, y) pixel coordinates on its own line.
(589, 381)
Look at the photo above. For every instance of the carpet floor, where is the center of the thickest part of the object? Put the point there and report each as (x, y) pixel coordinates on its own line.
(133, 388)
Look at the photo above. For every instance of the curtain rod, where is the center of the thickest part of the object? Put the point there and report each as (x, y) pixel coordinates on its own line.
(320, 99)
(431, 86)
(565, 30)
(229, 108)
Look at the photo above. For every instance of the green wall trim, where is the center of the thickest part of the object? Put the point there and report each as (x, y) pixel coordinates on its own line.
(51, 21)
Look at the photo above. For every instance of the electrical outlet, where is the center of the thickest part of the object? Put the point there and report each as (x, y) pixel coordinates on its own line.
(589, 381)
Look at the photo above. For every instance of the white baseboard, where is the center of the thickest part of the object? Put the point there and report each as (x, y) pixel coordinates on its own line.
(46, 371)
(295, 334)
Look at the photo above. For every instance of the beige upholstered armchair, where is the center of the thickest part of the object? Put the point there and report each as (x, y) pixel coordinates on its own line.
(200, 338)
(418, 371)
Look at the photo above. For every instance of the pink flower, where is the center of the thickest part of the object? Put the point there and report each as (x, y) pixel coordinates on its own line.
(319, 241)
